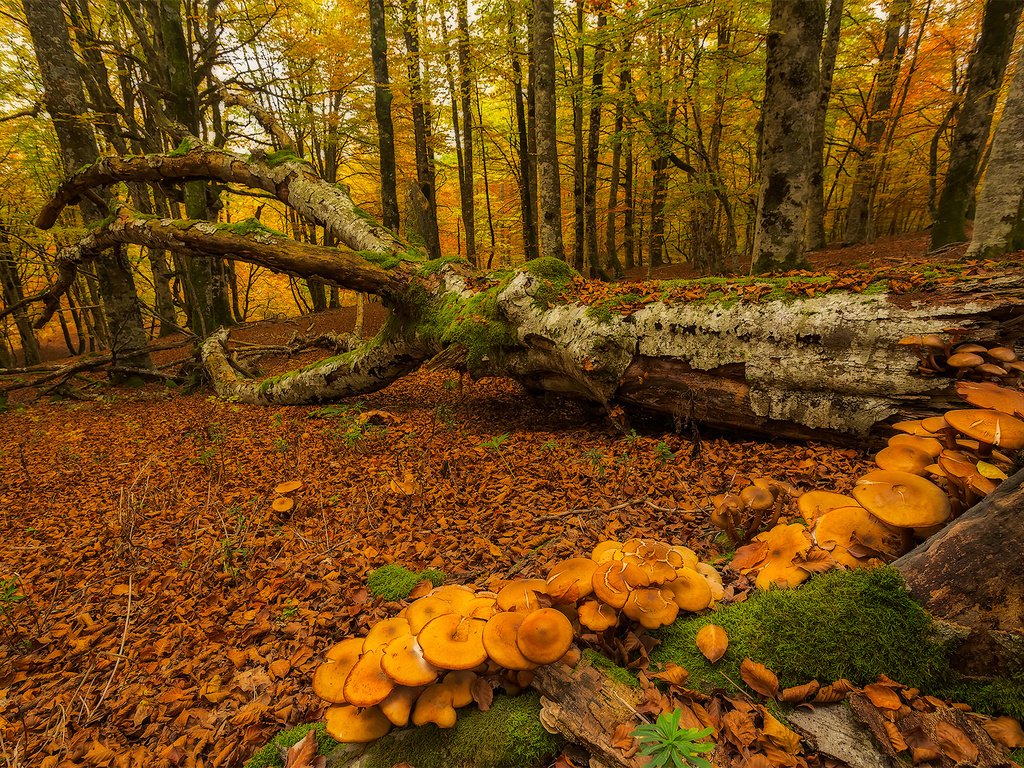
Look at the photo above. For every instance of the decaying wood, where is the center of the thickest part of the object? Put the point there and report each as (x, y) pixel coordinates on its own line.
(835, 732)
(970, 575)
(585, 706)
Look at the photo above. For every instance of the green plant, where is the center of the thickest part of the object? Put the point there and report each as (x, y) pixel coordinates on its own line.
(596, 459)
(549, 446)
(667, 744)
(281, 445)
(663, 454)
(494, 444)
(395, 582)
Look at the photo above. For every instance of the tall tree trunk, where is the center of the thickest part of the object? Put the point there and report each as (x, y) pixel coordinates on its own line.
(549, 192)
(64, 98)
(628, 215)
(593, 141)
(467, 186)
(974, 118)
(859, 213)
(999, 200)
(816, 237)
(578, 224)
(382, 111)
(527, 180)
(13, 293)
(427, 228)
(483, 167)
(791, 95)
(456, 122)
(611, 249)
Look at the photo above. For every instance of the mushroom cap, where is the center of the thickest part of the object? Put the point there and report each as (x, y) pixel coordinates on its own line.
(904, 458)
(457, 596)
(757, 499)
(544, 636)
(929, 445)
(282, 504)
(714, 580)
(687, 558)
(453, 642)
(289, 486)
(613, 581)
(397, 707)
(383, 632)
(975, 348)
(956, 464)
(605, 550)
(651, 558)
(653, 608)
(571, 579)
(499, 640)
(690, 590)
(367, 684)
(522, 595)
(435, 706)
(991, 369)
(785, 543)
(848, 526)
(989, 427)
(985, 394)
(403, 662)
(902, 499)
(329, 678)
(597, 616)
(356, 726)
(461, 683)
(813, 504)
(912, 427)
(928, 340)
(482, 607)
(964, 360)
(1002, 354)
(425, 610)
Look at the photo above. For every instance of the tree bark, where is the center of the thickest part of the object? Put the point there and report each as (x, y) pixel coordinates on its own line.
(13, 294)
(549, 192)
(974, 118)
(611, 248)
(790, 100)
(382, 111)
(593, 141)
(816, 236)
(527, 187)
(1001, 192)
(466, 189)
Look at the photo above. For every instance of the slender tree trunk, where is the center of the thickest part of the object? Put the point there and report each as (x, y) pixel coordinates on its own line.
(1001, 192)
(12, 292)
(527, 182)
(974, 118)
(464, 189)
(859, 213)
(611, 249)
(466, 97)
(628, 216)
(593, 141)
(549, 194)
(578, 224)
(791, 96)
(382, 111)
(65, 101)
(483, 167)
(816, 237)
(531, 127)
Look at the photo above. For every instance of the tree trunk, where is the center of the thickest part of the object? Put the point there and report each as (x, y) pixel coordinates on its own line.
(628, 215)
(466, 99)
(859, 219)
(593, 140)
(382, 111)
(611, 249)
(549, 193)
(816, 237)
(13, 294)
(527, 185)
(791, 97)
(1000, 197)
(578, 223)
(65, 101)
(974, 118)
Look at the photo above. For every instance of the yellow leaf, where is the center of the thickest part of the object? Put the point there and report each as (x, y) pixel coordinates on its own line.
(759, 678)
(780, 735)
(672, 674)
(991, 471)
(713, 641)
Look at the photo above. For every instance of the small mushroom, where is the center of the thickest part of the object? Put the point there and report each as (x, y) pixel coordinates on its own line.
(597, 616)
(523, 595)
(289, 486)
(425, 610)
(690, 590)
(652, 608)
(813, 504)
(544, 636)
(329, 678)
(499, 639)
(453, 642)
(282, 504)
(350, 725)
(367, 684)
(904, 458)
(989, 427)
(397, 707)
(902, 499)
(435, 706)
(403, 662)
(571, 579)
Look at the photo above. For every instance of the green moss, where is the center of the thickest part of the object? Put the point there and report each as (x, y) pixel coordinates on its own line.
(610, 668)
(1017, 755)
(282, 156)
(181, 149)
(855, 624)
(270, 755)
(436, 265)
(395, 582)
(390, 259)
(250, 227)
(1003, 696)
(508, 735)
(555, 275)
(475, 322)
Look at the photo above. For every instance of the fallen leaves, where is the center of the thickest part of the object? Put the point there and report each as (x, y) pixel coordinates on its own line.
(713, 641)
(759, 678)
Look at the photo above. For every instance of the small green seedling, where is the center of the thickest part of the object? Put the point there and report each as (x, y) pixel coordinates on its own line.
(669, 745)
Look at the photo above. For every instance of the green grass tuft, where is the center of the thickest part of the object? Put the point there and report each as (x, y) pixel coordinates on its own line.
(508, 735)
(395, 582)
(270, 755)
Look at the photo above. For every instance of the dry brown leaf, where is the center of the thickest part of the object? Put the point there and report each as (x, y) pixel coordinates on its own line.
(738, 727)
(759, 678)
(837, 691)
(955, 744)
(756, 761)
(895, 737)
(920, 755)
(672, 674)
(749, 556)
(882, 696)
(779, 757)
(779, 735)
(622, 737)
(483, 693)
(713, 641)
(799, 693)
(1006, 731)
(302, 754)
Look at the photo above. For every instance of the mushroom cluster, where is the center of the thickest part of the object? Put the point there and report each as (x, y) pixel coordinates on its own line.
(284, 501)
(931, 471)
(435, 654)
(969, 360)
(744, 514)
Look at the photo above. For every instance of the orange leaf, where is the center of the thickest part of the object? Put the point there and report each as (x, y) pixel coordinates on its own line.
(759, 678)
(955, 744)
(738, 727)
(883, 696)
(895, 737)
(302, 754)
(837, 691)
(799, 693)
(622, 738)
(750, 556)
(672, 674)
(713, 641)
(1005, 731)
(780, 735)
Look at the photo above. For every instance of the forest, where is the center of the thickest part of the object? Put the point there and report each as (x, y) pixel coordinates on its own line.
(517, 383)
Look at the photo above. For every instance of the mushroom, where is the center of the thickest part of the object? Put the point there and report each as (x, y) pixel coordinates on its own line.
(453, 642)
(461, 683)
(785, 544)
(544, 636)
(813, 504)
(929, 445)
(329, 678)
(714, 580)
(522, 595)
(613, 581)
(457, 596)
(425, 610)
(691, 590)
(403, 662)
(902, 499)
(282, 504)
(499, 639)
(356, 726)
(653, 608)
(435, 706)
(904, 458)
(383, 632)
(989, 427)
(571, 579)
(606, 550)
(1001, 354)
(397, 707)
(367, 684)
(840, 530)
(964, 361)
(289, 486)
(597, 616)
(988, 395)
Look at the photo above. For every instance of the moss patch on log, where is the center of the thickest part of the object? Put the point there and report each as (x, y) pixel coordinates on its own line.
(610, 668)
(852, 624)
(475, 322)
(395, 582)
(270, 755)
(508, 735)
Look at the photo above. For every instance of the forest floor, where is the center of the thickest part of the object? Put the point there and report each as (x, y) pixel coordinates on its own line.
(160, 613)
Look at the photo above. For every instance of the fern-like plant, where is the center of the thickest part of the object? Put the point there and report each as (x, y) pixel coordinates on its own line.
(669, 745)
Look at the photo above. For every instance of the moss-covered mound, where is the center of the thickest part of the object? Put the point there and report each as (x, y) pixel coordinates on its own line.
(508, 735)
(270, 755)
(852, 624)
(395, 582)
